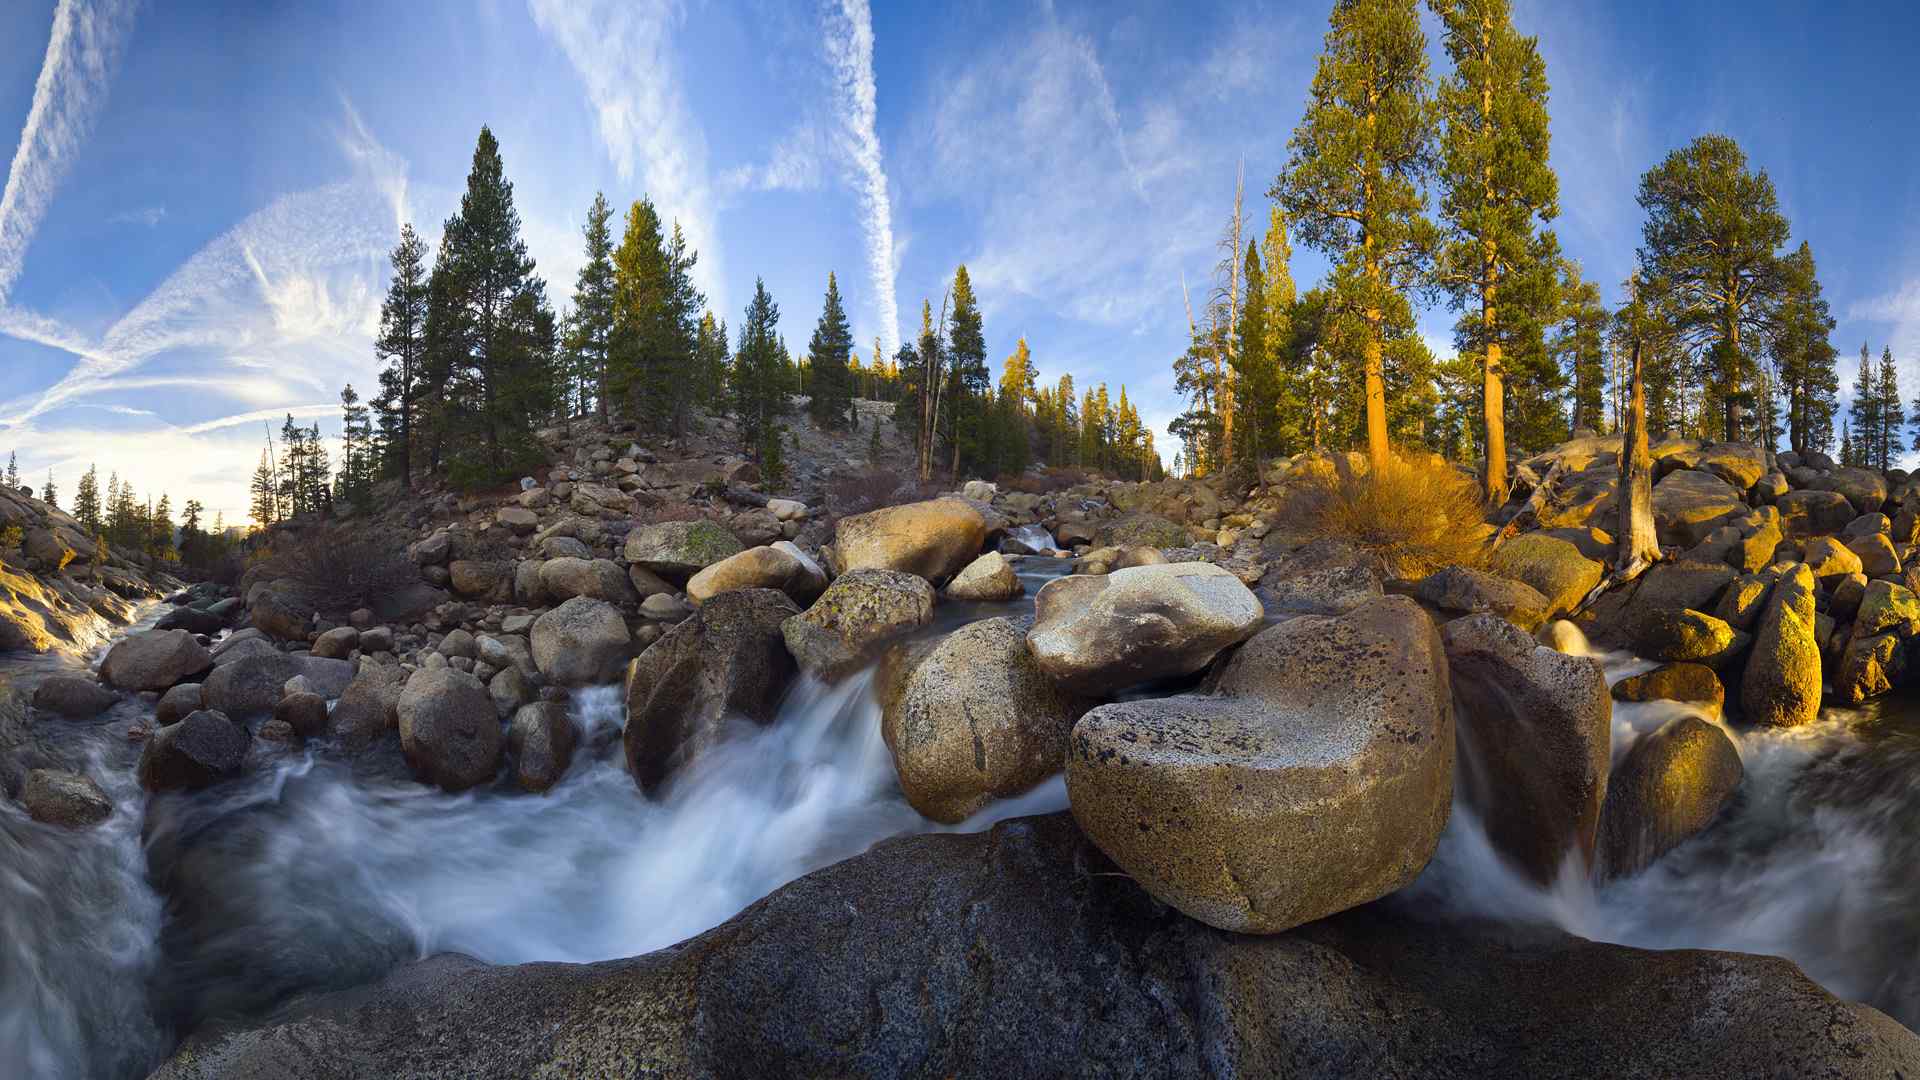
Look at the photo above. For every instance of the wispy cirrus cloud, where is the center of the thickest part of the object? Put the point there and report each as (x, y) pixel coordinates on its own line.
(149, 216)
(849, 40)
(796, 164)
(83, 50)
(622, 51)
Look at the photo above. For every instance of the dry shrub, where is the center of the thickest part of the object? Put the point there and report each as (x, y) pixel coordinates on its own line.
(337, 570)
(1417, 515)
(874, 489)
(1048, 481)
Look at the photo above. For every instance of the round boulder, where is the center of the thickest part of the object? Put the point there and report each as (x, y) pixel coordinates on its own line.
(201, 750)
(855, 618)
(1096, 634)
(583, 642)
(304, 714)
(1692, 684)
(987, 578)
(1670, 787)
(58, 797)
(449, 730)
(680, 549)
(72, 697)
(1317, 777)
(779, 566)
(933, 539)
(251, 684)
(154, 660)
(541, 739)
(973, 719)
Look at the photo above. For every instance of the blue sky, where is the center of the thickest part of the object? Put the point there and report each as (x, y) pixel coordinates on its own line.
(200, 201)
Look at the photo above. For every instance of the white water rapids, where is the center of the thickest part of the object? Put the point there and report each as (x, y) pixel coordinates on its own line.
(318, 871)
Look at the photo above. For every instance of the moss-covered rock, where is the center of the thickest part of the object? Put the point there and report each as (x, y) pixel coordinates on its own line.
(1690, 683)
(1551, 566)
(1781, 684)
(680, 549)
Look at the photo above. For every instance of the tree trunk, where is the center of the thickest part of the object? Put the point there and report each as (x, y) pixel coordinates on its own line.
(1637, 545)
(1731, 424)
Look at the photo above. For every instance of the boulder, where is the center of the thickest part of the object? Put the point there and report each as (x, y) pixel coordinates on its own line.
(154, 660)
(480, 579)
(1781, 684)
(1106, 560)
(370, 706)
(1535, 734)
(449, 730)
(1886, 607)
(727, 661)
(1021, 951)
(304, 714)
(1094, 635)
(1677, 586)
(1741, 465)
(1744, 601)
(1877, 555)
(541, 739)
(1866, 489)
(1666, 634)
(326, 676)
(58, 797)
(509, 690)
(564, 578)
(1813, 513)
(1869, 667)
(1333, 590)
(1316, 775)
(679, 549)
(855, 619)
(1829, 558)
(1689, 683)
(177, 704)
(779, 566)
(250, 685)
(1551, 566)
(1689, 504)
(278, 609)
(933, 539)
(987, 578)
(518, 519)
(192, 620)
(583, 642)
(1460, 590)
(337, 643)
(973, 719)
(1668, 789)
(1142, 530)
(199, 751)
(72, 697)
(665, 607)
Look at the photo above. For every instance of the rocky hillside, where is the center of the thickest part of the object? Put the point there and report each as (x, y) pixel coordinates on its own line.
(52, 595)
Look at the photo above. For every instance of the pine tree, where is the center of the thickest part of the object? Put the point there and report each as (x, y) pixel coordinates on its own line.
(160, 524)
(1256, 374)
(757, 385)
(710, 361)
(832, 392)
(1017, 394)
(265, 491)
(589, 330)
(401, 349)
(500, 336)
(1865, 414)
(1580, 347)
(655, 321)
(1803, 353)
(1354, 172)
(1497, 193)
(1708, 249)
(969, 380)
(1848, 454)
(354, 484)
(13, 471)
(86, 501)
(1893, 416)
(49, 494)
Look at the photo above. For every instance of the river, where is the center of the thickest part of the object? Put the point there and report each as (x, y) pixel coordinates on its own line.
(317, 870)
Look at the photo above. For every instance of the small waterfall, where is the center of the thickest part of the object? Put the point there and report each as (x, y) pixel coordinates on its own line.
(1030, 540)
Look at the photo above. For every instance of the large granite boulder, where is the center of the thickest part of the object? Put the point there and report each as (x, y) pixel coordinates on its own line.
(251, 685)
(1741, 465)
(542, 738)
(1142, 530)
(449, 730)
(972, 719)
(583, 642)
(779, 566)
(855, 619)
(1669, 788)
(1866, 489)
(201, 750)
(1460, 590)
(727, 661)
(1315, 775)
(1535, 737)
(986, 579)
(598, 579)
(1688, 683)
(680, 549)
(72, 697)
(1813, 513)
(1688, 504)
(369, 707)
(1781, 684)
(933, 539)
(1550, 565)
(279, 609)
(154, 660)
(1021, 952)
(1094, 635)
(1668, 634)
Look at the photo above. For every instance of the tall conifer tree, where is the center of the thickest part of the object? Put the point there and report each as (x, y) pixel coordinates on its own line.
(589, 330)
(401, 348)
(827, 352)
(1804, 355)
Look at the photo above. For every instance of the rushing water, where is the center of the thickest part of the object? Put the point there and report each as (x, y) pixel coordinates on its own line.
(318, 870)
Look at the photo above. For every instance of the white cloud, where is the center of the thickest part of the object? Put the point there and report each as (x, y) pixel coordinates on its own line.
(149, 216)
(849, 43)
(795, 165)
(622, 50)
(82, 52)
